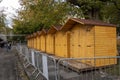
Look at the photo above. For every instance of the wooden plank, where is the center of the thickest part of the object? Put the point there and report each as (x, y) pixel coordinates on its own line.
(39, 42)
(74, 42)
(105, 44)
(43, 43)
(76, 65)
(61, 44)
(49, 44)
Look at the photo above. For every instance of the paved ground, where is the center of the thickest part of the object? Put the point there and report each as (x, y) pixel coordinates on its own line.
(7, 65)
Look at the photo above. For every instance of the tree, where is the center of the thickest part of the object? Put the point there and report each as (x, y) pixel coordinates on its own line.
(2, 22)
(92, 8)
(105, 10)
(38, 14)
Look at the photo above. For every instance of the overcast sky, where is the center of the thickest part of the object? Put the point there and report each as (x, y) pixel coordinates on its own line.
(10, 7)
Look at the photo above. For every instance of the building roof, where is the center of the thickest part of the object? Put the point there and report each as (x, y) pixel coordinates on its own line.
(28, 36)
(57, 27)
(38, 32)
(43, 31)
(31, 35)
(35, 34)
(53, 29)
(74, 21)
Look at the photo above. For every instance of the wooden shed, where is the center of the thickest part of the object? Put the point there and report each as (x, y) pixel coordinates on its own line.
(32, 41)
(38, 40)
(50, 40)
(43, 40)
(35, 40)
(28, 40)
(61, 43)
(90, 38)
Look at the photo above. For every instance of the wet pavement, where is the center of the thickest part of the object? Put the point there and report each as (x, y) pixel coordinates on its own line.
(7, 65)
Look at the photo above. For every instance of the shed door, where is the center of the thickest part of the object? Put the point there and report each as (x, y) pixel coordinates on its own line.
(86, 41)
(82, 41)
(74, 42)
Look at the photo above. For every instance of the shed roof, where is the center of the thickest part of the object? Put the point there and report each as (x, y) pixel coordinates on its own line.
(74, 21)
(35, 34)
(44, 31)
(57, 27)
(53, 29)
(28, 36)
(38, 32)
(31, 35)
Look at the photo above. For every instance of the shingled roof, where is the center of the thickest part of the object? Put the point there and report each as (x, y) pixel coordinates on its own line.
(74, 21)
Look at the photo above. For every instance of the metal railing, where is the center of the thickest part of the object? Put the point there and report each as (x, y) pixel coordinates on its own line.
(51, 68)
(46, 65)
(99, 68)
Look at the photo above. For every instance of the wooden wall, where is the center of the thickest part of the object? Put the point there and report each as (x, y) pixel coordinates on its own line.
(43, 43)
(37, 42)
(50, 43)
(32, 42)
(48, 40)
(105, 43)
(28, 43)
(80, 41)
(61, 44)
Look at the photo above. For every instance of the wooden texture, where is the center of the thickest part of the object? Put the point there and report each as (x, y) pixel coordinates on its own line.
(28, 42)
(61, 44)
(76, 65)
(35, 42)
(39, 42)
(50, 44)
(43, 43)
(93, 41)
(105, 44)
(80, 40)
(32, 42)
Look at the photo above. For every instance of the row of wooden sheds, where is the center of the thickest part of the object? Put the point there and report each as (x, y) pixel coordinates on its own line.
(77, 38)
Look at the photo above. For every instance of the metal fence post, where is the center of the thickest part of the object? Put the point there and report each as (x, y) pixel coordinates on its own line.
(33, 57)
(27, 53)
(45, 66)
(38, 60)
(20, 48)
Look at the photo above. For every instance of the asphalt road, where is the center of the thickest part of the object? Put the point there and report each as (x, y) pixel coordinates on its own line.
(7, 65)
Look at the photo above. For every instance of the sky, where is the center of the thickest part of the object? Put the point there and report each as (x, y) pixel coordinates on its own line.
(9, 7)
